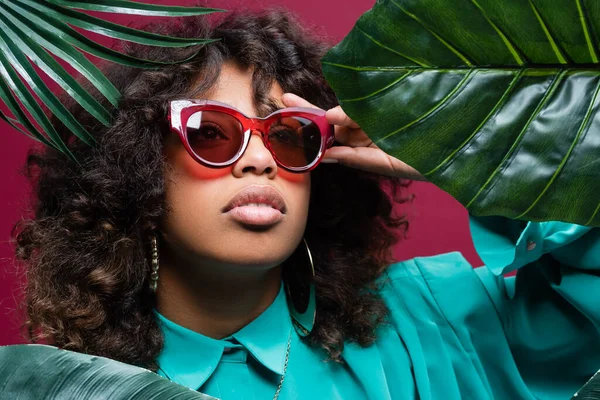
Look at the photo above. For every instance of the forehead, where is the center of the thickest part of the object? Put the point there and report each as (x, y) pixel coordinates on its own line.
(235, 86)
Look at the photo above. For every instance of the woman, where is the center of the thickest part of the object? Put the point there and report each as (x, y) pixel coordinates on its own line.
(186, 243)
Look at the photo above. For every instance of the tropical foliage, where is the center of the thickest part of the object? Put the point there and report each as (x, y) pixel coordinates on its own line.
(34, 372)
(34, 28)
(495, 102)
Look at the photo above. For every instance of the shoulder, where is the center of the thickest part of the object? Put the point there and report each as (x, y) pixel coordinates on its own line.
(444, 285)
(441, 266)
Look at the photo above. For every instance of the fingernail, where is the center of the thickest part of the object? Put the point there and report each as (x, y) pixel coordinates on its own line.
(329, 161)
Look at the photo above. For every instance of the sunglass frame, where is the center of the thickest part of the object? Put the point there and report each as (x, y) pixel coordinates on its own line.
(181, 110)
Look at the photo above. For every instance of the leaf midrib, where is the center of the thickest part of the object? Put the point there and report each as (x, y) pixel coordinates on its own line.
(591, 68)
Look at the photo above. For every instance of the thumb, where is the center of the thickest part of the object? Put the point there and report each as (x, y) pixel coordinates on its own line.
(371, 160)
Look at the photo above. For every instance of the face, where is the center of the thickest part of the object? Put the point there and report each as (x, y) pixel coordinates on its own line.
(215, 219)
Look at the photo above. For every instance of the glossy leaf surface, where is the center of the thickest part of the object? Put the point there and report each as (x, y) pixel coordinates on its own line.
(33, 372)
(495, 102)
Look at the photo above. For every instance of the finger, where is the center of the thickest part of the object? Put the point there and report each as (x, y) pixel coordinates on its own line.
(337, 116)
(372, 160)
(293, 100)
(352, 137)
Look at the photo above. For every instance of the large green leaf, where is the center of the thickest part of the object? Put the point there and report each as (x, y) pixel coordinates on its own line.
(589, 391)
(34, 372)
(34, 28)
(495, 102)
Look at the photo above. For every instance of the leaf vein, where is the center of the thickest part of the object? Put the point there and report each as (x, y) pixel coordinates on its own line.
(453, 49)
(513, 51)
(561, 58)
(586, 31)
(395, 82)
(382, 69)
(511, 151)
(371, 38)
(511, 86)
(436, 107)
(593, 215)
(563, 162)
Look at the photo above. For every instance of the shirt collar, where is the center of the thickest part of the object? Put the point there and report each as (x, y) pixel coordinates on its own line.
(190, 358)
(266, 338)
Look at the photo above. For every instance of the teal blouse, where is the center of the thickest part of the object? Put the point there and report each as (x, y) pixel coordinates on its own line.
(454, 332)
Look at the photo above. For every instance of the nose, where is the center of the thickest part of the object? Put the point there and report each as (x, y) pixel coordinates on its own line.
(256, 159)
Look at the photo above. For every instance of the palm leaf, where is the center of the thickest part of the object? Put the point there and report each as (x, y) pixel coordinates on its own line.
(12, 81)
(41, 58)
(495, 102)
(17, 59)
(129, 7)
(38, 28)
(14, 106)
(100, 26)
(61, 48)
(33, 372)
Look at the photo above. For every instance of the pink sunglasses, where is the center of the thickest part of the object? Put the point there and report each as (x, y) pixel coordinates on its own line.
(216, 134)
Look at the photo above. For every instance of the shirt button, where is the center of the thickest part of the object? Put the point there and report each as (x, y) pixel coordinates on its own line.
(531, 245)
(227, 350)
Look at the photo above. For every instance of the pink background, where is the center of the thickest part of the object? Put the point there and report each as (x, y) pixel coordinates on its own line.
(438, 223)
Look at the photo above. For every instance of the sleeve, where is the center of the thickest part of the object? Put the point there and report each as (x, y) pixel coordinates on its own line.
(549, 310)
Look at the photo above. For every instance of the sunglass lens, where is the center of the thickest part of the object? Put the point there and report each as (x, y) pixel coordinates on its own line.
(295, 141)
(214, 136)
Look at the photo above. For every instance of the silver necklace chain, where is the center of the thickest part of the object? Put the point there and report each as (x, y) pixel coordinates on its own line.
(287, 357)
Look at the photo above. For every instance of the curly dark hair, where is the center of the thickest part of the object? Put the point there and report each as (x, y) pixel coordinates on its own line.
(86, 249)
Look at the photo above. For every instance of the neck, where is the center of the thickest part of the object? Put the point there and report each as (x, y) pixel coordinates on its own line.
(213, 300)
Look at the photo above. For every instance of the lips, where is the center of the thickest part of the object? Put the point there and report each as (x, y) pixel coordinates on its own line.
(256, 205)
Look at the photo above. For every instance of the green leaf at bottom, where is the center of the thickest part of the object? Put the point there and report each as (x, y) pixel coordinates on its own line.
(33, 372)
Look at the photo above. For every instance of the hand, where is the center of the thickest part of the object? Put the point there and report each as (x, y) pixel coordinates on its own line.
(357, 150)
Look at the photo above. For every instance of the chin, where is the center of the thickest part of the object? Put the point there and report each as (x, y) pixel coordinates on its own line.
(256, 248)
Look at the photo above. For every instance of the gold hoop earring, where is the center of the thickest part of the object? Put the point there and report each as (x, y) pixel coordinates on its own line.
(300, 291)
(154, 268)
